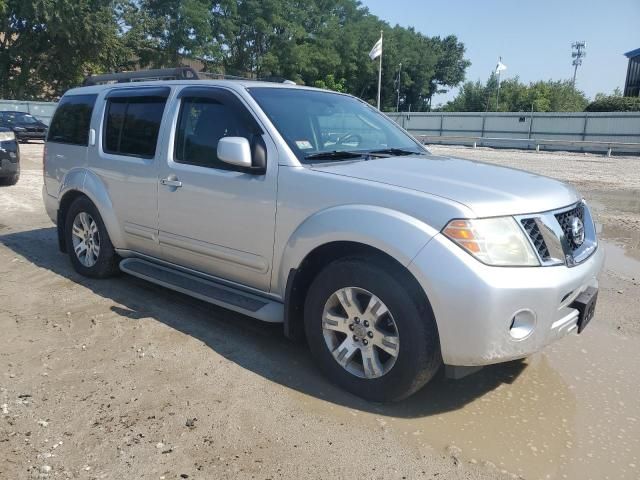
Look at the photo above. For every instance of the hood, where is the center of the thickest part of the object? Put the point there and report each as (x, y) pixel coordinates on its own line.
(487, 189)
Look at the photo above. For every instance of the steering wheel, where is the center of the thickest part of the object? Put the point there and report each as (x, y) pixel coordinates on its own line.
(352, 137)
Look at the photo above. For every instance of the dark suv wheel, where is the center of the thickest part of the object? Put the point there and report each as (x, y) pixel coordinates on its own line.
(371, 330)
(11, 180)
(88, 242)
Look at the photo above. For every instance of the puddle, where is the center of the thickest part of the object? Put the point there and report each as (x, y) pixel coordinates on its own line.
(622, 261)
(571, 411)
(621, 200)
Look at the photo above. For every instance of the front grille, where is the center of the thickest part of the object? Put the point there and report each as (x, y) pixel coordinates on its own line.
(551, 235)
(532, 229)
(565, 219)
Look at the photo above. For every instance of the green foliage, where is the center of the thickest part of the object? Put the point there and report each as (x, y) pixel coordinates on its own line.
(330, 83)
(614, 103)
(161, 32)
(50, 45)
(515, 96)
(616, 93)
(47, 46)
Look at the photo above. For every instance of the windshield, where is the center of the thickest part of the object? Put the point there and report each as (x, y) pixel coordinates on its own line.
(20, 118)
(331, 126)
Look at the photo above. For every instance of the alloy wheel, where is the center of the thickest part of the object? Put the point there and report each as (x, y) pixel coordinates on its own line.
(360, 332)
(86, 239)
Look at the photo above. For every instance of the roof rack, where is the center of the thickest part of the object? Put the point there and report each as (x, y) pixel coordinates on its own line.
(180, 73)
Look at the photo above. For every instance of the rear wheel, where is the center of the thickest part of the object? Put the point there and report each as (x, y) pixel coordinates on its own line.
(88, 242)
(370, 330)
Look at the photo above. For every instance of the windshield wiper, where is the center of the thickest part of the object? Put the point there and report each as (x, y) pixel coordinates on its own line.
(335, 155)
(394, 151)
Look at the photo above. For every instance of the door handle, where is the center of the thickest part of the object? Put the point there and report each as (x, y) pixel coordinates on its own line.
(171, 182)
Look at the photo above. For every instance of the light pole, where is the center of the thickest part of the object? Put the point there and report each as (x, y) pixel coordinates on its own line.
(578, 52)
(398, 88)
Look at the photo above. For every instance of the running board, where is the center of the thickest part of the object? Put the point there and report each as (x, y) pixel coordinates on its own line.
(207, 290)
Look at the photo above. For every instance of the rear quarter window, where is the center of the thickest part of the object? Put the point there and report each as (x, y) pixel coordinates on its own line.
(71, 120)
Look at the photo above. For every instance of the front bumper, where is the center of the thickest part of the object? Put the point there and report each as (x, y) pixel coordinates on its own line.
(26, 135)
(9, 158)
(474, 304)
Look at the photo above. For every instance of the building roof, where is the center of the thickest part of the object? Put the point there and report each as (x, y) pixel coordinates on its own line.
(633, 53)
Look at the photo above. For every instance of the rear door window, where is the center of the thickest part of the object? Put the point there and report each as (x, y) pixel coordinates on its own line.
(132, 121)
(71, 120)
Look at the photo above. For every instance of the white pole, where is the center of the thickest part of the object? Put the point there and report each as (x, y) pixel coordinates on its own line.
(498, 93)
(398, 85)
(380, 72)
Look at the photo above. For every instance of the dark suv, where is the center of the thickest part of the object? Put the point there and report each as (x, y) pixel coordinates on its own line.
(24, 125)
(9, 157)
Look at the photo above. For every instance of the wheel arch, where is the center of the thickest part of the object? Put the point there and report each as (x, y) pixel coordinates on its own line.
(336, 232)
(299, 279)
(89, 185)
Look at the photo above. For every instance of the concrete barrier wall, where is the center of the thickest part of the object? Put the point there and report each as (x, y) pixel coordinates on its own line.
(621, 127)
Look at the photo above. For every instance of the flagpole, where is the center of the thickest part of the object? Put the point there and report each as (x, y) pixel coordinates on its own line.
(498, 92)
(380, 70)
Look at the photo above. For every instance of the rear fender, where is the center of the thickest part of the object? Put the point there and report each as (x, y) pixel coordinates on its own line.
(88, 183)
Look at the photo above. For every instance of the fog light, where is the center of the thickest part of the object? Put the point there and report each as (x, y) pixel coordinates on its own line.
(522, 325)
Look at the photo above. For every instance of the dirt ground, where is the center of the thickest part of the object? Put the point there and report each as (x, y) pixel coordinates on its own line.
(120, 379)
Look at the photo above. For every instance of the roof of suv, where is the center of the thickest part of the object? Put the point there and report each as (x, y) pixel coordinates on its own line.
(232, 84)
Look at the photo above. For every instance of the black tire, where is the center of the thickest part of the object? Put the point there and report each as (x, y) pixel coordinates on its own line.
(8, 181)
(106, 264)
(418, 359)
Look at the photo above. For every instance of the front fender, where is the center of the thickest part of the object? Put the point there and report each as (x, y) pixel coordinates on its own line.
(397, 234)
(92, 186)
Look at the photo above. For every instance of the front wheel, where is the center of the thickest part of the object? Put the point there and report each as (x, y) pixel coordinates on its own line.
(8, 181)
(371, 330)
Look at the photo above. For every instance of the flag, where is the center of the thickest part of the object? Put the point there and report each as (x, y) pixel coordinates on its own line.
(500, 66)
(376, 51)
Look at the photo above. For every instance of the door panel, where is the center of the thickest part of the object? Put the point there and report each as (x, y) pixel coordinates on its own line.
(214, 218)
(125, 160)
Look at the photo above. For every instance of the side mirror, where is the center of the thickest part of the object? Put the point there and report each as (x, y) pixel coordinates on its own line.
(235, 151)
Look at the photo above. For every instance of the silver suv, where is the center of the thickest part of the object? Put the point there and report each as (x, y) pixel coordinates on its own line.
(312, 209)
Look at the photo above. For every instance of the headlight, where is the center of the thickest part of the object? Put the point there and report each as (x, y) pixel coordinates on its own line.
(19, 129)
(494, 241)
(7, 136)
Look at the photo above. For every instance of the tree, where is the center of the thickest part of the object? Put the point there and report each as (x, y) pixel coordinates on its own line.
(47, 46)
(614, 103)
(515, 96)
(616, 93)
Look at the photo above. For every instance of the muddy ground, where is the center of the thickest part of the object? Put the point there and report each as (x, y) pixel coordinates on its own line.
(120, 379)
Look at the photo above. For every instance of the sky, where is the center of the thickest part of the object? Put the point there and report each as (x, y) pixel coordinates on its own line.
(533, 36)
